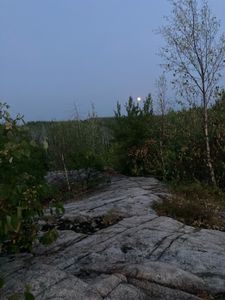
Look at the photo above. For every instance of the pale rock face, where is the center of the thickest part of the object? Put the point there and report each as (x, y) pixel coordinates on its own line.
(115, 247)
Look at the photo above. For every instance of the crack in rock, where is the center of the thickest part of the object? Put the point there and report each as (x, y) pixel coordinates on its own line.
(113, 246)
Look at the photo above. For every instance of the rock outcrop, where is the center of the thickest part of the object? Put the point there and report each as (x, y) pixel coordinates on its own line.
(113, 246)
(61, 178)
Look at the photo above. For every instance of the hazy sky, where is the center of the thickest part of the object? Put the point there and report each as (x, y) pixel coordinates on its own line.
(54, 53)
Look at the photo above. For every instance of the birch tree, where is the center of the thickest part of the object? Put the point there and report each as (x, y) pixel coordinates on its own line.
(195, 53)
(162, 105)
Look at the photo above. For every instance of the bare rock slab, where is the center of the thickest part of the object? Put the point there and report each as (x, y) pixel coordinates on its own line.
(112, 245)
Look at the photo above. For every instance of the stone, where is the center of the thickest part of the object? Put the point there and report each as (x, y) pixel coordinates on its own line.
(61, 178)
(125, 252)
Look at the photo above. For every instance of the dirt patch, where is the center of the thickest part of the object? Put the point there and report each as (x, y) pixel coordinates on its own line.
(86, 225)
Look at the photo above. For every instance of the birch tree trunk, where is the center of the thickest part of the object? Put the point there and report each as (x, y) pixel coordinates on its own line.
(195, 53)
(208, 148)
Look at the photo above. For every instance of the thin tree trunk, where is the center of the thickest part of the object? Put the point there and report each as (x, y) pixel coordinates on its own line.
(162, 158)
(208, 150)
(161, 144)
(66, 173)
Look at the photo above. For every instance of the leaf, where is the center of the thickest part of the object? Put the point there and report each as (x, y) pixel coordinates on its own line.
(9, 220)
(28, 296)
(45, 145)
(49, 237)
(14, 297)
(2, 282)
(33, 143)
(8, 125)
(19, 212)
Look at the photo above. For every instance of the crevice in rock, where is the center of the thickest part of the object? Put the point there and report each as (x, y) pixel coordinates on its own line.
(168, 247)
(152, 288)
(108, 203)
(62, 247)
(209, 275)
(126, 248)
(51, 285)
(86, 275)
(158, 245)
(86, 225)
(107, 295)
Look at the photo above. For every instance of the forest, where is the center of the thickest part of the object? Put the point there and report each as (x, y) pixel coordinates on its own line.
(182, 144)
(139, 142)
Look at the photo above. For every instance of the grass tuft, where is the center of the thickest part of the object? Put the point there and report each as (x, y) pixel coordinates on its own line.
(195, 204)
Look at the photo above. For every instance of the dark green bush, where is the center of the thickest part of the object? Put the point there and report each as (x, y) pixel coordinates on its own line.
(177, 152)
(131, 133)
(22, 168)
(73, 144)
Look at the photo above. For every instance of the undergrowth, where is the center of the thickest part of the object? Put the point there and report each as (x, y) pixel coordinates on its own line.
(196, 204)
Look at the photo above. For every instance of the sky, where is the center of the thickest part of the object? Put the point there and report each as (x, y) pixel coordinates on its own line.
(56, 55)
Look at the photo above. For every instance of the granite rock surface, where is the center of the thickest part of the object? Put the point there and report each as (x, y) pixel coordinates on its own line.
(112, 245)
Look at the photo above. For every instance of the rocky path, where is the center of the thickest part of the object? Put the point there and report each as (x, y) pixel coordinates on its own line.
(113, 246)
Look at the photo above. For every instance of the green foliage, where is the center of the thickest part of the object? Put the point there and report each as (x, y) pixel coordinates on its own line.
(27, 295)
(184, 153)
(131, 137)
(49, 237)
(217, 126)
(22, 168)
(170, 147)
(2, 282)
(73, 144)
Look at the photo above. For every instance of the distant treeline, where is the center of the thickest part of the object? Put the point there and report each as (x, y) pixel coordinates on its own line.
(170, 146)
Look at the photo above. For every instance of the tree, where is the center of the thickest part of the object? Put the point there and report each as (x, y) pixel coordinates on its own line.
(161, 85)
(195, 54)
(131, 132)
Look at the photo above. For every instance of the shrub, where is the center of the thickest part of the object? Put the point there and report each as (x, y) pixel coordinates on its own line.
(22, 168)
(74, 144)
(194, 204)
(170, 147)
(131, 137)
